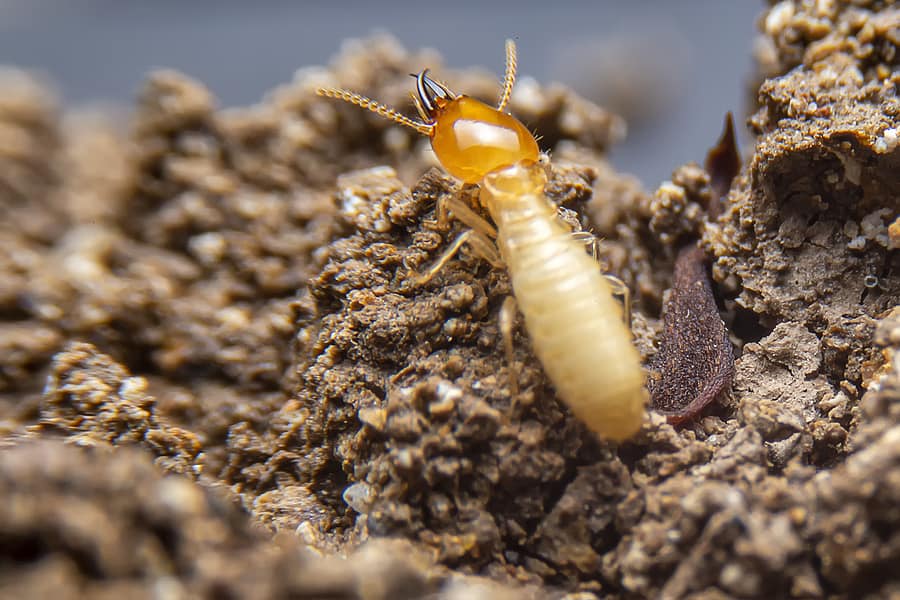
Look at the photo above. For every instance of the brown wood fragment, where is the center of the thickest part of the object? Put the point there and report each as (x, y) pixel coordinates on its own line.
(695, 362)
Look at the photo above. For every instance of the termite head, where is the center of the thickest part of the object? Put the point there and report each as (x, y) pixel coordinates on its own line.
(469, 138)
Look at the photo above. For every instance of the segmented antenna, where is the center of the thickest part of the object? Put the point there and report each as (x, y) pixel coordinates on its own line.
(375, 107)
(509, 79)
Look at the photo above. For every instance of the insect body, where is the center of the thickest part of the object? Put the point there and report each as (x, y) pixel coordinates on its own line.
(576, 326)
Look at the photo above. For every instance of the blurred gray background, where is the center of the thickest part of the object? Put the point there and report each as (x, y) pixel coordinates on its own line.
(671, 67)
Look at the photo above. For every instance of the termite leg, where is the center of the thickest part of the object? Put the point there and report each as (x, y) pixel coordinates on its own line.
(507, 322)
(469, 217)
(481, 246)
(459, 205)
(570, 219)
(479, 236)
(441, 214)
(621, 290)
(588, 239)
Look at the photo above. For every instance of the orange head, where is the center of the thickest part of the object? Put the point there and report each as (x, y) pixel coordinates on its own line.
(469, 138)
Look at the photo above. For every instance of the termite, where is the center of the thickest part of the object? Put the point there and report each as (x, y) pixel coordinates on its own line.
(577, 327)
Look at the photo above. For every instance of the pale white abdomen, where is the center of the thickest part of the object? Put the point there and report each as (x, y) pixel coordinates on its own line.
(575, 324)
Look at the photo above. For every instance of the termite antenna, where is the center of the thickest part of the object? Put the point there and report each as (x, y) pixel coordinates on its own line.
(377, 108)
(509, 79)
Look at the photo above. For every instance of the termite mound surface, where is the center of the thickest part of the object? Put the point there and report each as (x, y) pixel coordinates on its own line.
(249, 322)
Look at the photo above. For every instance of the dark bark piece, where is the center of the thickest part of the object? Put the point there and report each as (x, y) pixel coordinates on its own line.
(695, 362)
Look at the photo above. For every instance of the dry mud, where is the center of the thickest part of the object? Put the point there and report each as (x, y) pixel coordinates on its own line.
(217, 378)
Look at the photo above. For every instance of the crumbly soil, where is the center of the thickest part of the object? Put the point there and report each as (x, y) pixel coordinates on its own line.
(218, 378)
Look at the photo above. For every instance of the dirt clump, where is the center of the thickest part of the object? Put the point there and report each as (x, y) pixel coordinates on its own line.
(93, 522)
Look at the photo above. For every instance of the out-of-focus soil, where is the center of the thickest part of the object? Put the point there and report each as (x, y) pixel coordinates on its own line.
(218, 379)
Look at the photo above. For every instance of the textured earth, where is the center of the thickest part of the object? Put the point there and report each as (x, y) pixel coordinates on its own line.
(218, 378)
